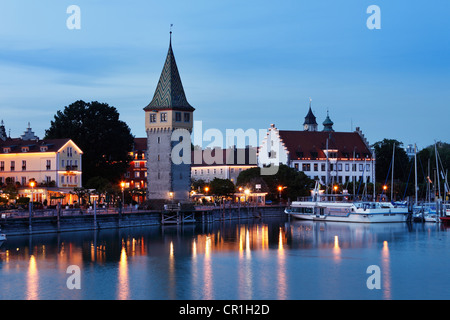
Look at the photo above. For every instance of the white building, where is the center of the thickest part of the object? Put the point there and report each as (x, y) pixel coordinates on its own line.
(329, 156)
(220, 163)
(55, 165)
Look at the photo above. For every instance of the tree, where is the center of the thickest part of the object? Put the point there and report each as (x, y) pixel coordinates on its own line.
(221, 187)
(383, 153)
(426, 166)
(104, 139)
(294, 183)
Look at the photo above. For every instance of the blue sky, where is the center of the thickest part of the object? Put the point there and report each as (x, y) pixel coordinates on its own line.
(244, 64)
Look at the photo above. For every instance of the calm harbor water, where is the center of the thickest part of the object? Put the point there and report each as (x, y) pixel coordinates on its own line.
(262, 259)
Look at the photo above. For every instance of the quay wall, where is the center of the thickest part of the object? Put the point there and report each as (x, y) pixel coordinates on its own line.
(52, 223)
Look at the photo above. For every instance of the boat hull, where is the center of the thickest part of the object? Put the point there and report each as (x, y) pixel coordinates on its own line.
(359, 218)
(348, 212)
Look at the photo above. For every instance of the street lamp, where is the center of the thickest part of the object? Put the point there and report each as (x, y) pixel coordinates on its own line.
(32, 185)
(280, 188)
(206, 189)
(122, 185)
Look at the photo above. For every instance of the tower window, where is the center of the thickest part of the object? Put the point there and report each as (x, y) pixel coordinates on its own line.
(178, 116)
(163, 116)
(152, 117)
(187, 117)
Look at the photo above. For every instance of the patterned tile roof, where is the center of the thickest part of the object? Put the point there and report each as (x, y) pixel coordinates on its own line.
(307, 144)
(169, 92)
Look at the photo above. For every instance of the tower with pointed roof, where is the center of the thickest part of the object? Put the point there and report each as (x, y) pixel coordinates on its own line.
(168, 111)
(310, 123)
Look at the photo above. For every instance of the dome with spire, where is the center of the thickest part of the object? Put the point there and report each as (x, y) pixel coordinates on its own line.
(328, 124)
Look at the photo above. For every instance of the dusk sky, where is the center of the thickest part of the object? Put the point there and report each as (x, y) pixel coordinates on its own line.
(243, 64)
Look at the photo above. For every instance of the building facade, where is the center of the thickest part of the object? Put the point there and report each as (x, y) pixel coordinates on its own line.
(328, 156)
(54, 164)
(136, 175)
(168, 122)
(227, 164)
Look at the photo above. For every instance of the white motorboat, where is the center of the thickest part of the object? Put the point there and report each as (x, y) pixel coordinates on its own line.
(368, 212)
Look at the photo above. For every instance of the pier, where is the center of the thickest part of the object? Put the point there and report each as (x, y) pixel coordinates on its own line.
(23, 222)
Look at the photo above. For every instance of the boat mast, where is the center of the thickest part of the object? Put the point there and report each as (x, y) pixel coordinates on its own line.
(415, 168)
(392, 179)
(437, 171)
(428, 183)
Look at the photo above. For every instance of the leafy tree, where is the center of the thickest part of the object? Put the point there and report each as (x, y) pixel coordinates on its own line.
(294, 183)
(221, 187)
(104, 139)
(426, 165)
(383, 153)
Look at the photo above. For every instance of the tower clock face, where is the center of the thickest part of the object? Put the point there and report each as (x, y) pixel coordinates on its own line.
(306, 127)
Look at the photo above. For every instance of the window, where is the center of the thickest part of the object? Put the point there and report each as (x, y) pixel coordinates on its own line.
(49, 164)
(158, 139)
(322, 167)
(306, 167)
(137, 164)
(13, 165)
(178, 116)
(62, 179)
(24, 149)
(152, 117)
(361, 167)
(347, 167)
(339, 166)
(316, 167)
(24, 181)
(163, 116)
(136, 174)
(24, 165)
(187, 117)
(2, 165)
(367, 167)
(296, 166)
(44, 148)
(69, 151)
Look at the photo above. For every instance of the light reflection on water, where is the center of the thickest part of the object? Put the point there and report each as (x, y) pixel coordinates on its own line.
(269, 259)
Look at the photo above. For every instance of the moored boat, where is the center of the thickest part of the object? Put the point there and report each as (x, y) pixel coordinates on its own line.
(366, 212)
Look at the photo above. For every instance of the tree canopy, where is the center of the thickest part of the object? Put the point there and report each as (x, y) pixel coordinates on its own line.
(384, 151)
(294, 183)
(104, 139)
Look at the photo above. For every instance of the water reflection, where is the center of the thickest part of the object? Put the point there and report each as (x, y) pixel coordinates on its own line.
(250, 260)
(32, 280)
(386, 276)
(123, 290)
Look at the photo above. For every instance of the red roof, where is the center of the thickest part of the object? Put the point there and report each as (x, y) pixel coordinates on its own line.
(311, 144)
